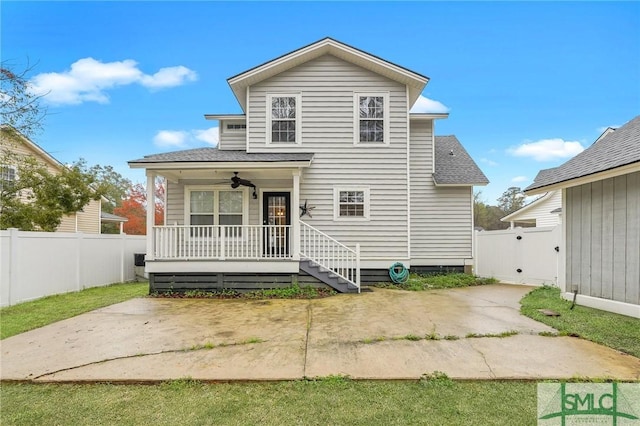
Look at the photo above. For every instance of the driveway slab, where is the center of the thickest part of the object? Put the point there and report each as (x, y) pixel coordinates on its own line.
(364, 336)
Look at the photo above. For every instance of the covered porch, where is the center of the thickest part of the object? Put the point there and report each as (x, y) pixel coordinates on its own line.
(238, 217)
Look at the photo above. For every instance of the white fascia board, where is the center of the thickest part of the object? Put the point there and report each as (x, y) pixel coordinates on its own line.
(221, 165)
(458, 184)
(225, 116)
(618, 171)
(320, 48)
(416, 116)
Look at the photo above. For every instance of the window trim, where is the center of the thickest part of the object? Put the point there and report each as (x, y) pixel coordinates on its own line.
(356, 118)
(216, 202)
(10, 167)
(336, 203)
(298, 120)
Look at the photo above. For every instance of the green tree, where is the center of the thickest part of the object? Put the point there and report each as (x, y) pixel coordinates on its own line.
(35, 199)
(114, 188)
(487, 216)
(511, 200)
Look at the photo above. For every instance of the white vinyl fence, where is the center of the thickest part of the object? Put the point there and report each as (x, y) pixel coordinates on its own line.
(520, 255)
(38, 264)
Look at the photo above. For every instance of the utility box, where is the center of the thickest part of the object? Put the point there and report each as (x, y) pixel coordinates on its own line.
(138, 262)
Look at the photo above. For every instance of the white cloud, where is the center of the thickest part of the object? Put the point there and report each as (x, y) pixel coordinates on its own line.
(168, 77)
(170, 138)
(424, 104)
(209, 135)
(88, 80)
(519, 179)
(488, 162)
(185, 138)
(547, 149)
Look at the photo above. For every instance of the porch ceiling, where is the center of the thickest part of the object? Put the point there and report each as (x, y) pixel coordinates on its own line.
(250, 173)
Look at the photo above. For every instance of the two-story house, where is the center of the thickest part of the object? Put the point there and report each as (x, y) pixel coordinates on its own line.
(87, 220)
(327, 176)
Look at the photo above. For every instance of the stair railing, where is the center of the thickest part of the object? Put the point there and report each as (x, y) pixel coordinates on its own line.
(330, 254)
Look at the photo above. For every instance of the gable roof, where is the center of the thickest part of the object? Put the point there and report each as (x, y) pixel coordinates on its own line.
(520, 214)
(9, 132)
(453, 165)
(110, 217)
(239, 83)
(613, 150)
(214, 155)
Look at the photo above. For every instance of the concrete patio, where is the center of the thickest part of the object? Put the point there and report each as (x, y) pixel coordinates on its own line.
(366, 336)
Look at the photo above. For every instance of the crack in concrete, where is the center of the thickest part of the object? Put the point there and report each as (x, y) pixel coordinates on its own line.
(139, 355)
(493, 375)
(306, 343)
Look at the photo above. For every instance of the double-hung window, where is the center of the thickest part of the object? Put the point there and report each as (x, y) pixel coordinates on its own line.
(283, 113)
(7, 176)
(351, 203)
(371, 118)
(207, 206)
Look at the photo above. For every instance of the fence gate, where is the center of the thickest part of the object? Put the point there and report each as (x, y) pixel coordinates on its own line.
(519, 256)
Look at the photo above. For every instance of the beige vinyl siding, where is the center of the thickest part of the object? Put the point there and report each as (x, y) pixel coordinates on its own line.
(89, 218)
(67, 224)
(603, 238)
(232, 139)
(440, 216)
(326, 86)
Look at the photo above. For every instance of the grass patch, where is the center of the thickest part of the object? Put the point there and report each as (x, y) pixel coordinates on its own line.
(38, 313)
(433, 400)
(616, 331)
(211, 345)
(498, 335)
(291, 292)
(418, 282)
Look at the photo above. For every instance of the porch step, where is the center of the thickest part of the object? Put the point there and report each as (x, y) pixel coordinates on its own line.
(327, 276)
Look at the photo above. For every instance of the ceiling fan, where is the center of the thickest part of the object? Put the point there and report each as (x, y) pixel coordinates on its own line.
(237, 181)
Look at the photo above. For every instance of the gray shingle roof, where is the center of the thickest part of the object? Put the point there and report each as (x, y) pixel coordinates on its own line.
(109, 217)
(614, 150)
(214, 155)
(456, 169)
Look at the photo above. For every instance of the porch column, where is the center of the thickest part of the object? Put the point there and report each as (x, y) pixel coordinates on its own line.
(295, 216)
(151, 202)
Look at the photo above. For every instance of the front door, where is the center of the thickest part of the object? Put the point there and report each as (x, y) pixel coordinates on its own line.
(276, 214)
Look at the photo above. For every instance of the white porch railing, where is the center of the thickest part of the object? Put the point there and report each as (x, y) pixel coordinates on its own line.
(330, 253)
(221, 242)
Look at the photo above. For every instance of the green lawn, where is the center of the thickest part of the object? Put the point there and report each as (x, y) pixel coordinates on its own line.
(29, 315)
(421, 282)
(332, 401)
(616, 331)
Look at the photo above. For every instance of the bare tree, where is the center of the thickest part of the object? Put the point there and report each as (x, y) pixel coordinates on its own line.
(20, 105)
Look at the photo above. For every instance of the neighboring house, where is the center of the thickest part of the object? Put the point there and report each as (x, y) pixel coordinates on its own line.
(543, 211)
(326, 174)
(112, 218)
(601, 226)
(87, 220)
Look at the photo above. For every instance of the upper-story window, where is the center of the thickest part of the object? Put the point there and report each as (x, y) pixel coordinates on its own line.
(283, 118)
(372, 116)
(7, 175)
